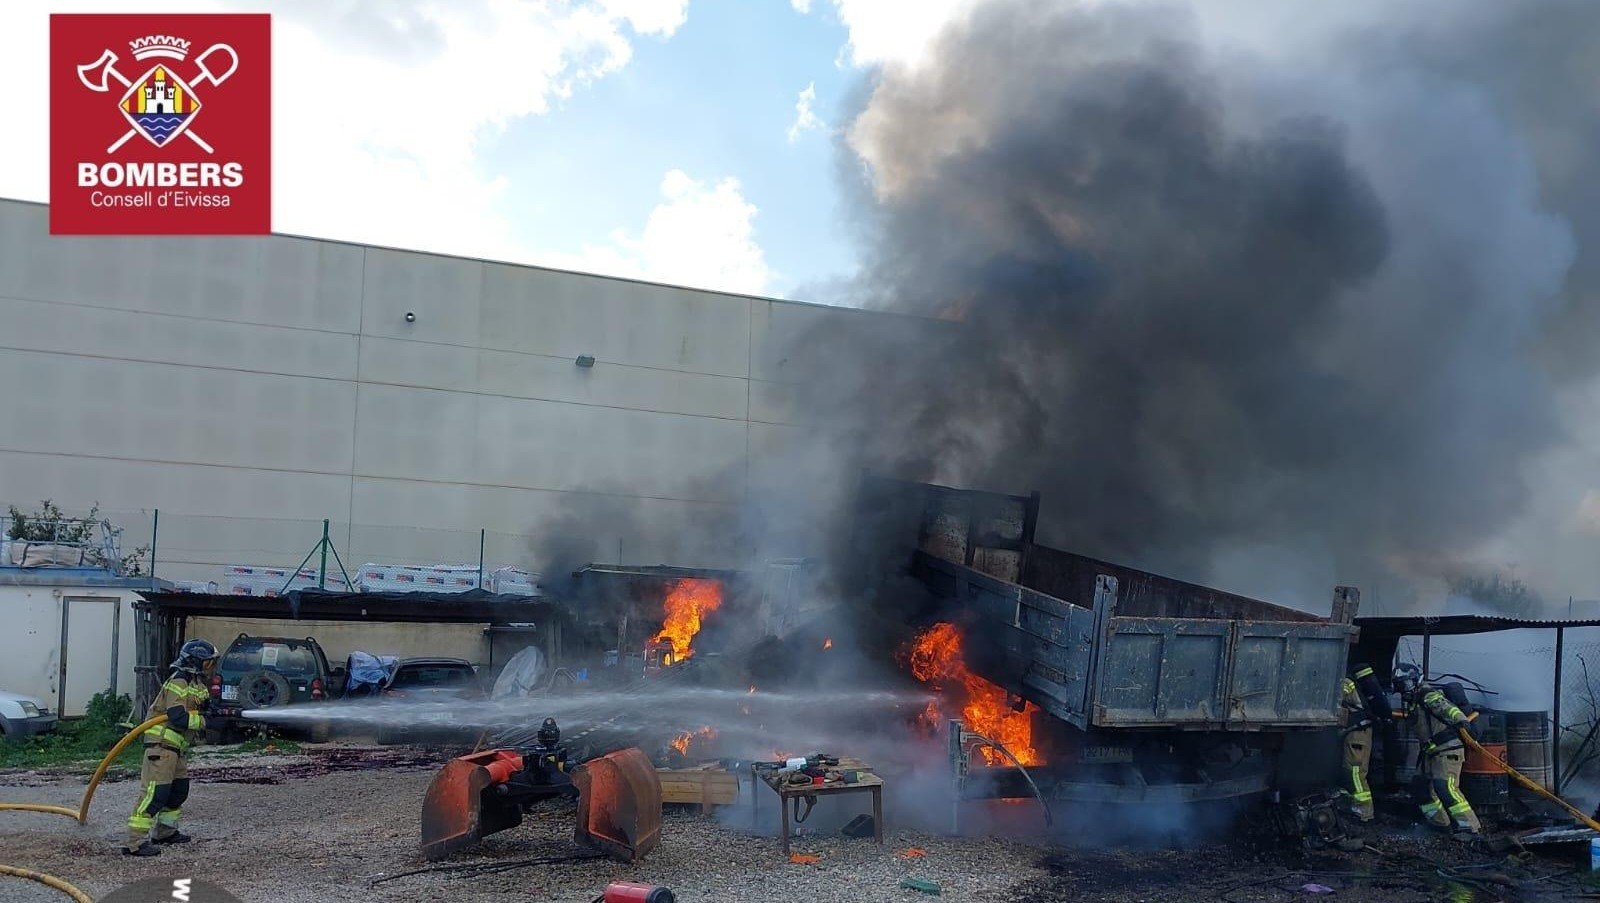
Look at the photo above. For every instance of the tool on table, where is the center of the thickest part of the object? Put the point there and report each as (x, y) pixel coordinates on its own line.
(798, 763)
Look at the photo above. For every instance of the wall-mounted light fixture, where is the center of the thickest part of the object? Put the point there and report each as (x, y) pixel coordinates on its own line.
(411, 317)
(585, 360)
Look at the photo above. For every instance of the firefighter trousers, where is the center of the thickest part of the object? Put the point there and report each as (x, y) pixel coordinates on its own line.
(164, 779)
(1357, 758)
(1438, 791)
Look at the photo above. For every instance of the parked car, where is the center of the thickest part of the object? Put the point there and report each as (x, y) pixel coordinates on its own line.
(429, 680)
(22, 717)
(259, 672)
(434, 679)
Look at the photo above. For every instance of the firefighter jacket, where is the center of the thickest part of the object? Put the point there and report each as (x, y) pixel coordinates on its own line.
(1361, 701)
(1352, 708)
(1436, 719)
(191, 693)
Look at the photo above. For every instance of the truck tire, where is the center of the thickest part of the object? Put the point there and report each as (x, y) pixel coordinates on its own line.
(263, 690)
(319, 730)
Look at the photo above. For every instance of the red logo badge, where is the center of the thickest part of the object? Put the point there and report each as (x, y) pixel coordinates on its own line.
(160, 124)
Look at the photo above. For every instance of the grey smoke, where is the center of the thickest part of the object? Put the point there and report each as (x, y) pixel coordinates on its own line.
(1276, 318)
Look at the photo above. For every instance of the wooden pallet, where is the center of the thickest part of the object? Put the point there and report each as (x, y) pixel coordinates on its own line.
(705, 786)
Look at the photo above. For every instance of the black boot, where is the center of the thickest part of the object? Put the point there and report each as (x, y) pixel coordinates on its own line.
(174, 837)
(146, 848)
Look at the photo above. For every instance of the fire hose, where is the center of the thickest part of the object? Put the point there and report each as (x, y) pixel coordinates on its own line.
(46, 880)
(1527, 782)
(81, 813)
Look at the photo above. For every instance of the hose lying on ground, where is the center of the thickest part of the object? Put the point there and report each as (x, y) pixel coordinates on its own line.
(1529, 783)
(82, 812)
(48, 880)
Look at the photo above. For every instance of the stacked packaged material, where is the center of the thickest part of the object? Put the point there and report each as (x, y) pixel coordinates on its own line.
(239, 580)
(512, 581)
(442, 578)
(197, 586)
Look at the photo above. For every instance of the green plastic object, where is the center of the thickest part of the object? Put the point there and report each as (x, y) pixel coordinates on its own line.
(922, 884)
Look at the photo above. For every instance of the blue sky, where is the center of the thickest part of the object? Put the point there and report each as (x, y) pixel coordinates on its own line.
(716, 99)
(653, 139)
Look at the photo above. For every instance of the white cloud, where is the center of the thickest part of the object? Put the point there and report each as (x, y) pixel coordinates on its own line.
(700, 234)
(651, 17)
(805, 118)
(893, 32)
(406, 95)
(801, 6)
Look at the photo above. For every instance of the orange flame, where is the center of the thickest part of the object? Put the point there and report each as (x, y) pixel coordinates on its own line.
(935, 658)
(682, 741)
(687, 602)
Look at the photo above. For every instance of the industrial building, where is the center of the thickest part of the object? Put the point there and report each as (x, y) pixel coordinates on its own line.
(249, 388)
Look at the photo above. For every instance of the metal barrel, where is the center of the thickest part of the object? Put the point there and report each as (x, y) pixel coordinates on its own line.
(1486, 790)
(1491, 726)
(1478, 763)
(1528, 749)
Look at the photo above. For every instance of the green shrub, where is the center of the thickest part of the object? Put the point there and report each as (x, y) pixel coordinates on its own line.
(80, 740)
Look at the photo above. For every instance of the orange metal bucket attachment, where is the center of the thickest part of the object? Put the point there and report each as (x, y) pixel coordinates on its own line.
(619, 804)
(457, 813)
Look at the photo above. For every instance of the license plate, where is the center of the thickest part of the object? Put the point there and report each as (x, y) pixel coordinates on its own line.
(230, 692)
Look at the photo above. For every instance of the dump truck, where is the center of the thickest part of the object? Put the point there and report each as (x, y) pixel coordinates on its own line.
(1146, 688)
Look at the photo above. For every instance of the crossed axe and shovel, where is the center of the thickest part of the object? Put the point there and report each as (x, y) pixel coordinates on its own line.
(97, 76)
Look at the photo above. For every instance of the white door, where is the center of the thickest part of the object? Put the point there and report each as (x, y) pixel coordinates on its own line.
(88, 651)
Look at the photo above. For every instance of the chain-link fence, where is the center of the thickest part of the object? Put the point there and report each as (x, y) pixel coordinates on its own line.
(202, 548)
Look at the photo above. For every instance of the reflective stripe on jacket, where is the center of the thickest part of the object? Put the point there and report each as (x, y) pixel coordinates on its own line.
(178, 691)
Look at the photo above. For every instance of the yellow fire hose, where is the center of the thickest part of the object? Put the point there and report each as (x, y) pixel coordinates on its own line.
(1529, 783)
(81, 813)
(47, 880)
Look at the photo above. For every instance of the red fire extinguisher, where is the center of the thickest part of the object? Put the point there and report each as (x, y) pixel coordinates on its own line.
(635, 892)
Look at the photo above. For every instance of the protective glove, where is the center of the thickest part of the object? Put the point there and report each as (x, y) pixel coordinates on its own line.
(1471, 727)
(178, 717)
(216, 723)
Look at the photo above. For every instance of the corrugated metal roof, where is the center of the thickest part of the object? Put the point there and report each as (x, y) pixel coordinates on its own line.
(1448, 625)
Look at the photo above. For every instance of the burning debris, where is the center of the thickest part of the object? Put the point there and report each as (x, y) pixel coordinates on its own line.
(699, 737)
(686, 605)
(935, 658)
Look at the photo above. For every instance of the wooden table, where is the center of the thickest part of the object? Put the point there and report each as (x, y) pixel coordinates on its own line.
(866, 782)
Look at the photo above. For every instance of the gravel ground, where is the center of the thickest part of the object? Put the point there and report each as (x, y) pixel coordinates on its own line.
(286, 829)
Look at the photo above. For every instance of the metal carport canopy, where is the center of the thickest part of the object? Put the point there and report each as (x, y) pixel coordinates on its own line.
(316, 605)
(1380, 638)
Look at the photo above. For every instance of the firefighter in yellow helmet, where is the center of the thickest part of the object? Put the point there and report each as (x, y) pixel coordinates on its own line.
(164, 772)
(1362, 704)
(1437, 721)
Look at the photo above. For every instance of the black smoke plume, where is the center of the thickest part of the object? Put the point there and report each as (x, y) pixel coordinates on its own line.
(1276, 322)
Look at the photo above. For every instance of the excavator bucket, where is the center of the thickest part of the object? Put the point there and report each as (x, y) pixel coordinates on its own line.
(619, 804)
(460, 807)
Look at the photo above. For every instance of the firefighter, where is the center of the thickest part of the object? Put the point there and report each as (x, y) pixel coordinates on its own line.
(1437, 722)
(164, 774)
(1362, 704)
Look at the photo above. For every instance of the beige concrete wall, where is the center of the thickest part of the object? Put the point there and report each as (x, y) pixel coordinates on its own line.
(339, 639)
(266, 383)
(31, 645)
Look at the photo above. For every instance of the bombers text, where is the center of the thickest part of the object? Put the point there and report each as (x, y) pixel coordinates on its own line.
(160, 175)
